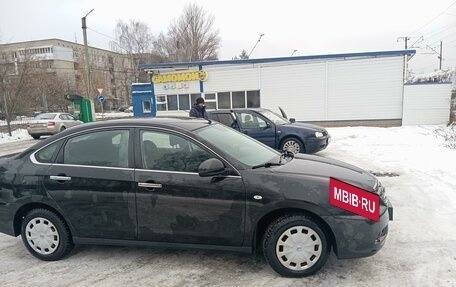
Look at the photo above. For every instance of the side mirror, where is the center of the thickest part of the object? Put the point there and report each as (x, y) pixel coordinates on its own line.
(292, 120)
(211, 167)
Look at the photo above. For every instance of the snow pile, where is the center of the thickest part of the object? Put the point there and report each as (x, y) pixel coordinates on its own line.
(16, 135)
(439, 76)
(448, 134)
(113, 115)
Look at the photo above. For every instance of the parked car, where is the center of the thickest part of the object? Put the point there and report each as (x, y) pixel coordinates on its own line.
(274, 130)
(50, 124)
(183, 183)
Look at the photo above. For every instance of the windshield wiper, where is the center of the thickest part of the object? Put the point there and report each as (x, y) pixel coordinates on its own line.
(286, 153)
(267, 164)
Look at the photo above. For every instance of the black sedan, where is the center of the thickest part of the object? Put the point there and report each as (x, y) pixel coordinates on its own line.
(274, 130)
(184, 183)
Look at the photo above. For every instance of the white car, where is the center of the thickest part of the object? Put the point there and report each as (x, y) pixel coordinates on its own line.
(50, 124)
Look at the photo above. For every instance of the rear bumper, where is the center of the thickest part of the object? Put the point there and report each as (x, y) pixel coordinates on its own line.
(43, 131)
(357, 236)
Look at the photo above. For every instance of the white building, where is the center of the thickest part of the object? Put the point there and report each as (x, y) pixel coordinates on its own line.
(334, 89)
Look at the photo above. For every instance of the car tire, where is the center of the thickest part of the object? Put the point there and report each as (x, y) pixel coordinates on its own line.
(35, 137)
(62, 128)
(45, 235)
(292, 144)
(301, 239)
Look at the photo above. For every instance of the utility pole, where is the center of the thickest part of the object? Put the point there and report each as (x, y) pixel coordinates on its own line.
(86, 48)
(405, 56)
(405, 39)
(440, 56)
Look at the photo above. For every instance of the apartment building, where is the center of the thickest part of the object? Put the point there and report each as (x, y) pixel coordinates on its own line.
(110, 71)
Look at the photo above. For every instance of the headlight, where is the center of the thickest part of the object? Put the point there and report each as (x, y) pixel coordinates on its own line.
(318, 134)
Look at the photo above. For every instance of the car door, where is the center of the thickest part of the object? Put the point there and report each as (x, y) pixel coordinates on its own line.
(69, 120)
(92, 182)
(257, 127)
(227, 119)
(175, 204)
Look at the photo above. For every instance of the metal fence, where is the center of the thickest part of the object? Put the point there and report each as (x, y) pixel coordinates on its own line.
(17, 125)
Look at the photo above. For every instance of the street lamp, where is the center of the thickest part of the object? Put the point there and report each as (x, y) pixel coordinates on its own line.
(258, 41)
(86, 48)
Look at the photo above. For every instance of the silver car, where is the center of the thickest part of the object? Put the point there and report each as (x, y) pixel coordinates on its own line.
(50, 124)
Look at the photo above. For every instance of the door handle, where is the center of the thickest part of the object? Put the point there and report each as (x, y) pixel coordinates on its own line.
(149, 185)
(60, 178)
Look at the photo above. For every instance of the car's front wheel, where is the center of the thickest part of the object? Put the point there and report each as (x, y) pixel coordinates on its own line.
(293, 145)
(45, 235)
(295, 246)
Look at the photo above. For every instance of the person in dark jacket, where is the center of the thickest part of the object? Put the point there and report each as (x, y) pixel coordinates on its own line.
(198, 109)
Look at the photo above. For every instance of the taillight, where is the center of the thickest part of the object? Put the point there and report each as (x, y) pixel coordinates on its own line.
(51, 124)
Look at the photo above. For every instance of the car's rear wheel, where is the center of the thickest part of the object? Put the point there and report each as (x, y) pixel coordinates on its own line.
(45, 235)
(295, 246)
(36, 137)
(62, 128)
(293, 145)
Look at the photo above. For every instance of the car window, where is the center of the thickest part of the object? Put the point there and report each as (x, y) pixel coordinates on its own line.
(46, 155)
(251, 121)
(63, 117)
(164, 151)
(236, 145)
(227, 120)
(102, 148)
(273, 117)
(45, 116)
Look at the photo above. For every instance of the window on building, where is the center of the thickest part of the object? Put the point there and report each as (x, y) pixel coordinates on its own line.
(253, 99)
(223, 100)
(172, 103)
(184, 102)
(238, 99)
(161, 103)
(194, 97)
(146, 107)
(210, 101)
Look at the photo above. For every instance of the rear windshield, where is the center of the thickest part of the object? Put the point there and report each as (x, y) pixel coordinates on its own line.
(45, 117)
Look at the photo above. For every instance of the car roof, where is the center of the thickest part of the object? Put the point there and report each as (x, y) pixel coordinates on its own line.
(182, 124)
(238, 110)
(176, 123)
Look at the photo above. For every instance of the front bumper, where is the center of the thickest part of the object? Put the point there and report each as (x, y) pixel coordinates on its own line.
(357, 236)
(317, 144)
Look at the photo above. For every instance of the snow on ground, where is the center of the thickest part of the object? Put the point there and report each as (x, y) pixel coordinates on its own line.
(420, 249)
(113, 115)
(16, 135)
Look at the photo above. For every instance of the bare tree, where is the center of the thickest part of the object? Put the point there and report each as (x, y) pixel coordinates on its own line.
(192, 37)
(15, 72)
(135, 41)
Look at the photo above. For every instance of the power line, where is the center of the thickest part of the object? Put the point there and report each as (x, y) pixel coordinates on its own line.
(109, 37)
(433, 19)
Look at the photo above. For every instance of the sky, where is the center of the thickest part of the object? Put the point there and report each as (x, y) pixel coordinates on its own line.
(310, 27)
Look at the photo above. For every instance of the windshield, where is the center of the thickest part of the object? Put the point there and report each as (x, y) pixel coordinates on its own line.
(236, 145)
(273, 117)
(45, 117)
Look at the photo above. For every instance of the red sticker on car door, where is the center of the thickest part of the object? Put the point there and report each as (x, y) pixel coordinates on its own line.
(354, 199)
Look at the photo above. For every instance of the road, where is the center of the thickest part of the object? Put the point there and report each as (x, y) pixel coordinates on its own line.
(420, 249)
(17, 146)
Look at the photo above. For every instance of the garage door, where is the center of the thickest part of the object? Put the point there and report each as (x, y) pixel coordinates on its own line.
(426, 104)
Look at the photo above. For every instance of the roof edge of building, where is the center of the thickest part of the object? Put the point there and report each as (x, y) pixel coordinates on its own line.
(279, 59)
